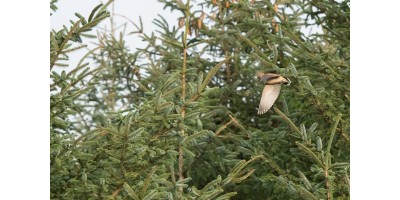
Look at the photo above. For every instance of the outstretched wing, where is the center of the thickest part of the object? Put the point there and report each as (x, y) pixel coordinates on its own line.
(268, 97)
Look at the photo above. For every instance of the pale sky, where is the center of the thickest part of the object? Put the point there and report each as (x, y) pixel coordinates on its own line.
(132, 9)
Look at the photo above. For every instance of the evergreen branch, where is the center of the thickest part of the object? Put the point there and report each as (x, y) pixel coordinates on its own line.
(258, 50)
(173, 43)
(333, 131)
(54, 42)
(195, 136)
(166, 94)
(80, 65)
(305, 181)
(238, 167)
(116, 192)
(172, 171)
(226, 196)
(284, 22)
(291, 124)
(170, 80)
(240, 179)
(103, 8)
(140, 30)
(340, 165)
(94, 11)
(75, 143)
(130, 192)
(152, 195)
(305, 194)
(193, 98)
(310, 154)
(212, 183)
(335, 34)
(61, 64)
(75, 29)
(217, 132)
(147, 181)
(88, 35)
(81, 17)
(83, 120)
(197, 42)
(66, 39)
(275, 52)
(144, 88)
(73, 49)
(236, 122)
(199, 82)
(211, 194)
(125, 136)
(237, 170)
(347, 179)
(299, 42)
(275, 166)
(212, 72)
(263, 61)
(328, 158)
(81, 76)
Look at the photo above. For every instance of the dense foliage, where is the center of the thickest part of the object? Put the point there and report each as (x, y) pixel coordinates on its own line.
(178, 119)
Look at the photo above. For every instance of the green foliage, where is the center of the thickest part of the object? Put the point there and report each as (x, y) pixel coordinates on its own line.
(177, 119)
(61, 41)
(53, 6)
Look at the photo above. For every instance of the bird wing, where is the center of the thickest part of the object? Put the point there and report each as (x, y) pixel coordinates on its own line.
(268, 97)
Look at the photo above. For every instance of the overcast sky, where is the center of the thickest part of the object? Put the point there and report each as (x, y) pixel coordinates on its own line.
(132, 9)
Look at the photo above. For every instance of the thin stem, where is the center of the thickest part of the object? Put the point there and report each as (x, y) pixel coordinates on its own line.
(273, 20)
(183, 111)
(327, 183)
(224, 127)
(228, 69)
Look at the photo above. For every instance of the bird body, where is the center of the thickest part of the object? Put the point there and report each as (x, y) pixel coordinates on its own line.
(272, 86)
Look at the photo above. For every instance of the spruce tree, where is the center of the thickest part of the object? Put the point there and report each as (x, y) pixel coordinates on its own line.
(178, 118)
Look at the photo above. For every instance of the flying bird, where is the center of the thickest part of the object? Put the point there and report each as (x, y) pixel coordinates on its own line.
(271, 90)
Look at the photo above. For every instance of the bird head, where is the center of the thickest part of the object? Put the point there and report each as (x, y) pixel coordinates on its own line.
(271, 78)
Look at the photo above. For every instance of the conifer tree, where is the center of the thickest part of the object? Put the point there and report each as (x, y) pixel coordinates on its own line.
(178, 118)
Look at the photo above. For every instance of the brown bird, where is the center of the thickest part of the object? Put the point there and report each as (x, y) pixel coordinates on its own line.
(271, 90)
